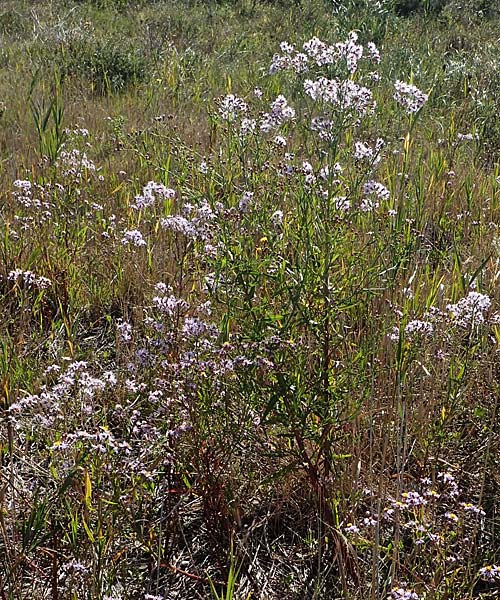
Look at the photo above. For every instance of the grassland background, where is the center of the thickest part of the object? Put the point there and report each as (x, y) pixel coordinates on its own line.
(248, 484)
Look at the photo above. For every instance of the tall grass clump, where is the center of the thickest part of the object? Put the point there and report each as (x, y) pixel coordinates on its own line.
(250, 354)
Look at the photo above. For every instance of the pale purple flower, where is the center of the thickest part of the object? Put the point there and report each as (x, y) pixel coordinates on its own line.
(471, 508)
(247, 126)
(246, 201)
(29, 279)
(195, 328)
(170, 305)
(321, 53)
(451, 516)
(231, 107)
(403, 594)
(373, 188)
(325, 128)
(280, 113)
(179, 224)
(409, 97)
(413, 499)
(419, 327)
(469, 311)
(341, 203)
(133, 237)
(124, 331)
(343, 94)
(373, 52)
(152, 192)
(394, 334)
(490, 573)
(351, 51)
(351, 528)
(364, 152)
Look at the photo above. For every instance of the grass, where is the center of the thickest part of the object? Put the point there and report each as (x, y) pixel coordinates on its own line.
(247, 353)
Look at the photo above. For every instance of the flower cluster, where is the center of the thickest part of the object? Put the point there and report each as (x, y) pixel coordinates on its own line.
(342, 94)
(369, 154)
(29, 279)
(409, 97)
(316, 52)
(35, 201)
(75, 164)
(373, 193)
(417, 326)
(231, 107)
(151, 193)
(403, 594)
(490, 573)
(196, 222)
(470, 311)
(280, 113)
(133, 237)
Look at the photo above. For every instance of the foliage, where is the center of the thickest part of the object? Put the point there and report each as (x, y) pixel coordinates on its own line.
(249, 301)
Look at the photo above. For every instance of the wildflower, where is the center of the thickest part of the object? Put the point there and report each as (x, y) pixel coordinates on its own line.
(469, 311)
(342, 94)
(409, 97)
(29, 279)
(287, 48)
(466, 137)
(471, 508)
(370, 521)
(350, 528)
(419, 327)
(124, 330)
(195, 328)
(394, 334)
(403, 594)
(277, 218)
(324, 127)
(280, 113)
(376, 189)
(351, 51)
(413, 499)
(321, 53)
(432, 494)
(151, 192)
(289, 60)
(247, 126)
(203, 168)
(363, 152)
(231, 106)
(451, 516)
(341, 203)
(490, 573)
(133, 237)
(23, 185)
(170, 305)
(246, 200)
(179, 224)
(373, 52)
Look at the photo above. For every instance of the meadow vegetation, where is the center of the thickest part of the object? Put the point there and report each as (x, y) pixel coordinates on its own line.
(249, 302)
